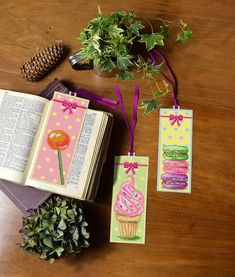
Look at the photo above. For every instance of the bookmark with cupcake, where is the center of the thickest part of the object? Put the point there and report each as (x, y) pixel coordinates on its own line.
(175, 141)
(128, 216)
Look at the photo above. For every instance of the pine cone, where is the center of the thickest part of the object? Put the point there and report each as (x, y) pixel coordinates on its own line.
(37, 66)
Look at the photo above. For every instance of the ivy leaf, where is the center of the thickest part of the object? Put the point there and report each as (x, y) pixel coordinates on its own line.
(124, 75)
(166, 87)
(159, 93)
(144, 103)
(149, 105)
(152, 69)
(99, 11)
(108, 65)
(184, 36)
(119, 15)
(134, 28)
(183, 24)
(123, 62)
(114, 30)
(152, 40)
(95, 22)
(82, 37)
(165, 29)
(95, 42)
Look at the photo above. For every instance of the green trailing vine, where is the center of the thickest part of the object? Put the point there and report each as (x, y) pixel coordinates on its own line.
(108, 41)
(185, 33)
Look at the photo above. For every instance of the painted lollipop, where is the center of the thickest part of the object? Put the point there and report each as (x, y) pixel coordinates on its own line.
(59, 140)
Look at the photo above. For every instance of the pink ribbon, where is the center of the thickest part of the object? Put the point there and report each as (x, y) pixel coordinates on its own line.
(173, 118)
(131, 167)
(68, 105)
(176, 119)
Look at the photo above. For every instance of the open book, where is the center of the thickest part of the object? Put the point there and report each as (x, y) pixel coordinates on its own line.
(66, 159)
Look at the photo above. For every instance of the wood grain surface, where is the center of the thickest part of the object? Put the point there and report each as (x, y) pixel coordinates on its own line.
(187, 235)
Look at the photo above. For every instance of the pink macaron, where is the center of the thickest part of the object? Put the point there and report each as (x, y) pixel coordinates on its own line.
(175, 167)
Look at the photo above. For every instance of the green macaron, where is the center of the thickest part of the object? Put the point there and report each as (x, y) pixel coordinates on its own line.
(175, 152)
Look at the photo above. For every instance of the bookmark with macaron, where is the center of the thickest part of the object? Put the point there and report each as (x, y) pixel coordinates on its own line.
(175, 140)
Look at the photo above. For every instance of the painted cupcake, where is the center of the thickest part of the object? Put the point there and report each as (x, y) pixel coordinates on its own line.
(129, 208)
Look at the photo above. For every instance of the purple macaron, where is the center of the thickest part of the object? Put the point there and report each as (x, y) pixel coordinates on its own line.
(174, 181)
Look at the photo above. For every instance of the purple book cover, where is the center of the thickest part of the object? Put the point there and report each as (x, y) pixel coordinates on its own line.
(26, 198)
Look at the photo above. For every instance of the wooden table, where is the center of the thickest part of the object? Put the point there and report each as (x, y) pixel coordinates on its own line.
(187, 235)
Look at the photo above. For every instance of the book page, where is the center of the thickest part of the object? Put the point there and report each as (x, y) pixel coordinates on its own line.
(82, 149)
(81, 161)
(20, 115)
(95, 155)
(79, 175)
(101, 158)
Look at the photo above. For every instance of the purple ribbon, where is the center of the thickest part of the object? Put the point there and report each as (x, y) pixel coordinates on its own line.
(172, 81)
(96, 98)
(131, 128)
(68, 105)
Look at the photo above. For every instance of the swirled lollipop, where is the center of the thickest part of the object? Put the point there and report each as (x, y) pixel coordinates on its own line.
(59, 140)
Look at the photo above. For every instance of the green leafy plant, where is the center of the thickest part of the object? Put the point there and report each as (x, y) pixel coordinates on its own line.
(150, 105)
(185, 34)
(55, 229)
(108, 42)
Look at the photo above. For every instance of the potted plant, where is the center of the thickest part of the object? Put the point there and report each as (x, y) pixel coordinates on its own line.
(108, 42)
(55, 229)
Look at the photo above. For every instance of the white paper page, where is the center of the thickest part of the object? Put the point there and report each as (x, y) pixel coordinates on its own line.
(87, 145)
(97, 170)
(81, 161)
(20, 115)
(96, 151)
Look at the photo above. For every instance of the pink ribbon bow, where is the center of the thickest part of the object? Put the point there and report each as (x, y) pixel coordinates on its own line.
(131, 167)
(68, 106)
(176, 119)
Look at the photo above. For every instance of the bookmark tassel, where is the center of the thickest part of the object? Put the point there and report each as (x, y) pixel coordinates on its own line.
(131, 128)
(171, 80)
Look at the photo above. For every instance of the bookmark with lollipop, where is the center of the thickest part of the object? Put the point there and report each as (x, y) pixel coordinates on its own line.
(175, 140)
(129, 198)
(60, 137)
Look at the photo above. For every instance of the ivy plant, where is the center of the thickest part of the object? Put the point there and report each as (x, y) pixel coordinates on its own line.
(108, 41)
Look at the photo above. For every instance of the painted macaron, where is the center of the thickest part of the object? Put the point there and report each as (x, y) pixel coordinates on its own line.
(175, 152)
(175, 167)
(174, 181)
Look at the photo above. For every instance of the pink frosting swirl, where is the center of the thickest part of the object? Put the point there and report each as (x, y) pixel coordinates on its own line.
(130, 201)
